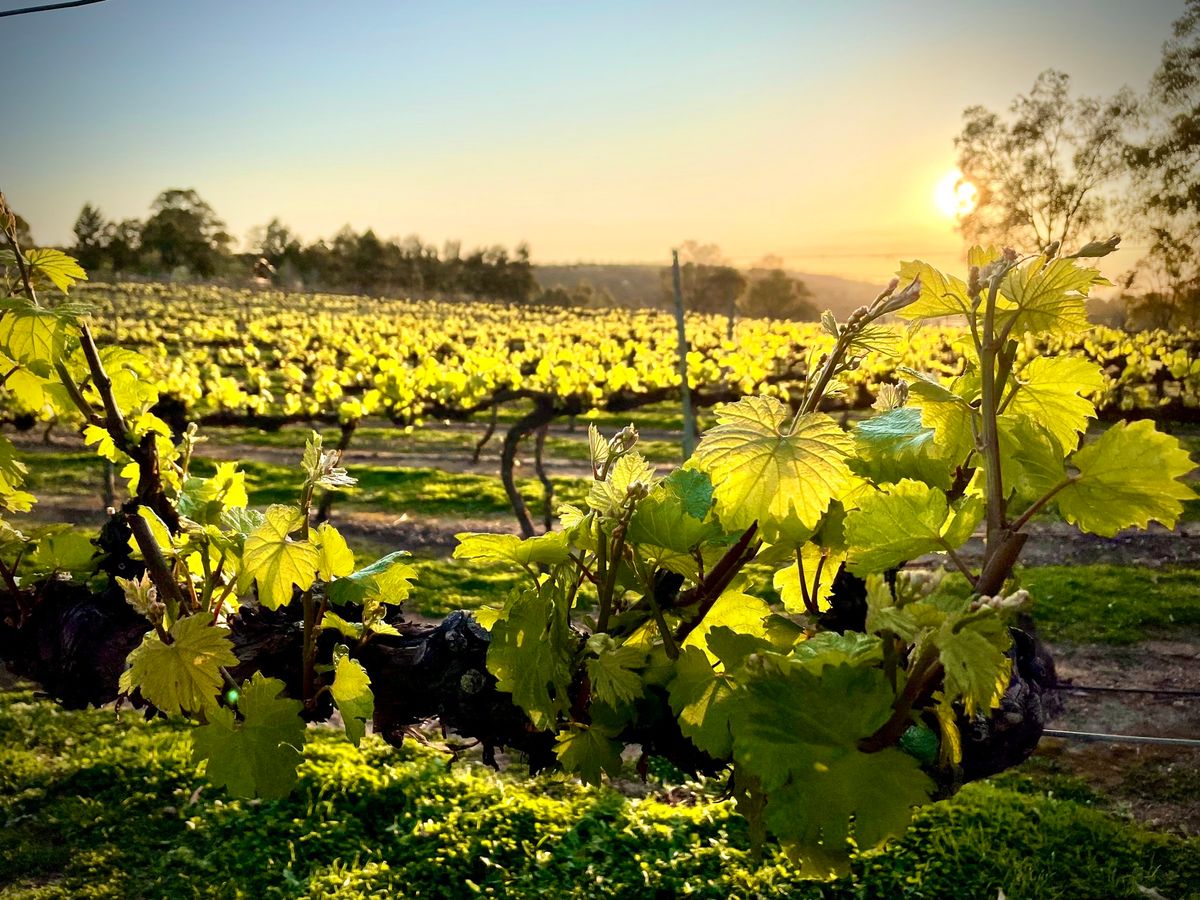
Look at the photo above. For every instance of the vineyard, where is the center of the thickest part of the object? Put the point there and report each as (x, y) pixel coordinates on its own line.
(221, 356)
(809, 643)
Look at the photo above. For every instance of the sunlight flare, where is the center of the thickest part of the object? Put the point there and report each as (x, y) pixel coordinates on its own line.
(954, 196)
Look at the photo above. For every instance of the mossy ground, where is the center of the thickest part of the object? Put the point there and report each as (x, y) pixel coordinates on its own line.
(96, 807)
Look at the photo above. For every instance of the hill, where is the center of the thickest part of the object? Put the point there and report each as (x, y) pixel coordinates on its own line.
(641, 285)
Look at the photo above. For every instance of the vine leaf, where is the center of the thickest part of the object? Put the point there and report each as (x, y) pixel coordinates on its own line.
(549, 549)
(1048, 296)
(736, 610)
(612, 671)
(673, 519)
(586, 750)
(765, 471)
(941, 295)
(897, 445)
(257, 756)
(334, 557)
(203, 500)
(1031, 461)
(276, 562)
(54, 266)
(530, 656)
(1048, 391)
(812, 817)
(901, 522)
(185, 675)
(977, 671)
(949, 414)
(65, 551)
(351, 690)
(387, 580)
(33, 337)
(1126, 478)
(797, 732)
(703, 701)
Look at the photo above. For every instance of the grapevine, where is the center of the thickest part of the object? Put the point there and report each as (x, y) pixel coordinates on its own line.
(861, 697)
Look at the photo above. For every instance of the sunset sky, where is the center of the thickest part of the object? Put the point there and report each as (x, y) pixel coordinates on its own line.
(602, 132)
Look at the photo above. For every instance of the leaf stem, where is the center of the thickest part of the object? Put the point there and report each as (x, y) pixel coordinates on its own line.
(1040, 502)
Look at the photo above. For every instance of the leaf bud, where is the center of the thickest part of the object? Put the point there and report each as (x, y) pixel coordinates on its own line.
(1051, 250)
(974, 284)
(1096, 249)
(906, 297)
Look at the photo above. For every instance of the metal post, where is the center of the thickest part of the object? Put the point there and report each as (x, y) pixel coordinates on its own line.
(689, 417)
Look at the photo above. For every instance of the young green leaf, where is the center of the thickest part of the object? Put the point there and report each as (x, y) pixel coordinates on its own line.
(184, 675)
(612, 671)
(351, 690)
(56, 267)
(586, 750)
(765, 471)
(1128, 477)
(1048, 390)
(977, 670)
(901, 522)
(257, 756)
(275, 561)
(530, 655)
(548, 549)
(703, 699)
(1048, 296)
(335, 559)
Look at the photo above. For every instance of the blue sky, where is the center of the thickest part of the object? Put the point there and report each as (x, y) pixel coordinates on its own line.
(596, 131)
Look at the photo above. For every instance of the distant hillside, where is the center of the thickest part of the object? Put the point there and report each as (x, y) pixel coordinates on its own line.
(641, 285)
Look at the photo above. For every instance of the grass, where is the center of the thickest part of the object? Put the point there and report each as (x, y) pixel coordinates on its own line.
(93, 807)
(444, 585)
(450, 437)
(415, 491)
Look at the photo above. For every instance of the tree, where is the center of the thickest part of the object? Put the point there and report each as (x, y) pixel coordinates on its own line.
(125, 245)
(91, 237)
(775, 295)
(273, 242)
(184, 231)
(1166, 173)
(709, 283)
(1042, 175)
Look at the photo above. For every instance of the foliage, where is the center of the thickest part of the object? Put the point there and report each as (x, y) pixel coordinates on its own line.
(664, 627)
(798, 714)
(775, 295)
(184, 233)
(1166, 201)
(1042, 175)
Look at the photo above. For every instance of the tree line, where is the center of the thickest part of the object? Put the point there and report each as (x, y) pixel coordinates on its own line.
(183, 236)
(1060, 169)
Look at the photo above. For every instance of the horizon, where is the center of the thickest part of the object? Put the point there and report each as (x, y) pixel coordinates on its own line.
(600, 136)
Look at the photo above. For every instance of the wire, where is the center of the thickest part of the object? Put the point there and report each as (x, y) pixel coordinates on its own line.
(1090, 736)
(46, 7)
(1170, 692)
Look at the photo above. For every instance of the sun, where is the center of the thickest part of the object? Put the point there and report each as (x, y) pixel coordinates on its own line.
(954, 196)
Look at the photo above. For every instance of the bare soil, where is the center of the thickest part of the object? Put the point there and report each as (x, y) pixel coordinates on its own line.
(1159, 786)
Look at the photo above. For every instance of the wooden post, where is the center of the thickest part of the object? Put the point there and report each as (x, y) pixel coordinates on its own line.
(689, 417)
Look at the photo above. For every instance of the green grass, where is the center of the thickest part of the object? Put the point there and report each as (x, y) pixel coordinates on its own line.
(453, 438)
(416, 491)
(95, 807)
(444, 585)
